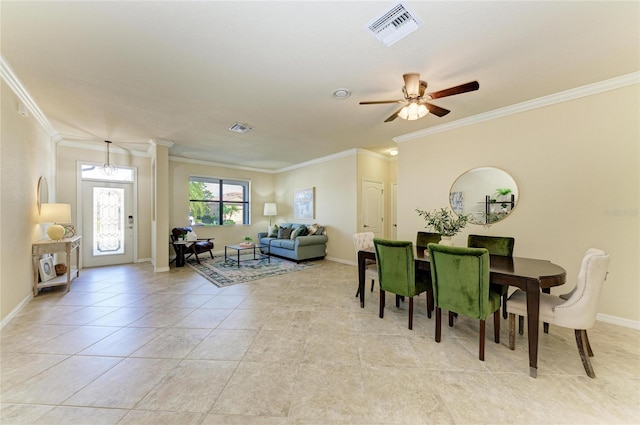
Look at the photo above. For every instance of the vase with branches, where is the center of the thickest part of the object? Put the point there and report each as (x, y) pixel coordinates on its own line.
(443, 221)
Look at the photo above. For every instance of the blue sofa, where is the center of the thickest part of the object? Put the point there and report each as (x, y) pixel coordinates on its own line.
(299, 249)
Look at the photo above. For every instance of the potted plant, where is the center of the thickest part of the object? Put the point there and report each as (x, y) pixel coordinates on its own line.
(445, 222)
(502, 191)
(247, 241)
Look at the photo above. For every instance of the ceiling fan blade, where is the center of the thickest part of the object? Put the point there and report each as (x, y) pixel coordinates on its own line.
(436, 110)
(462, 88)
(412, 84)
(378, 102)
(394, 115)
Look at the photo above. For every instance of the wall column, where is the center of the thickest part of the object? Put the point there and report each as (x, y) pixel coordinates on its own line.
(160, 214)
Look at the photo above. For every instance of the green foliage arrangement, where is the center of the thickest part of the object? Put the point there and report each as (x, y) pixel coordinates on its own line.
(443, 221)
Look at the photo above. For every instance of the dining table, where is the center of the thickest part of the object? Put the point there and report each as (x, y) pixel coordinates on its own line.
(528, 274)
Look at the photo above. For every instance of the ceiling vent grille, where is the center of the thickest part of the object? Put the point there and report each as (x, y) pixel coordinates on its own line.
(394, 24)
(241, 128)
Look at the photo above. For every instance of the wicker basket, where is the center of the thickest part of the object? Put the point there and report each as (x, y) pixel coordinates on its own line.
(60, 269)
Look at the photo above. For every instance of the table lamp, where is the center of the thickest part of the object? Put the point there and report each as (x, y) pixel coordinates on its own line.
(270, 209)
(55, 213)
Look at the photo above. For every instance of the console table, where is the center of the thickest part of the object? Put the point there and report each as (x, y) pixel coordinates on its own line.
(48, 246)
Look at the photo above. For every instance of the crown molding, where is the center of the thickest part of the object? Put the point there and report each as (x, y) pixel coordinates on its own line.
(541, 102)
(348, 152)
(219, 164)
(18, 88)
(92, 146)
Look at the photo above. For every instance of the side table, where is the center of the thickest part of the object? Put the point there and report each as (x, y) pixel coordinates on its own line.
(48, 246)
(180, 247)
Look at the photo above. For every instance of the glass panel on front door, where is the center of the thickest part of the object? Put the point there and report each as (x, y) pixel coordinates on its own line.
(108, 221)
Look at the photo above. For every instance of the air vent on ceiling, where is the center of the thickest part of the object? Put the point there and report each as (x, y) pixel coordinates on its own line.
(241, 128)
(394, 24)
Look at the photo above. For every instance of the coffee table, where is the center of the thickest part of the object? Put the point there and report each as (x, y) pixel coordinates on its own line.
(257, 254)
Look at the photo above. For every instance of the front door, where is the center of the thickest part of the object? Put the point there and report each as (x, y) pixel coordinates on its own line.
(108, 222)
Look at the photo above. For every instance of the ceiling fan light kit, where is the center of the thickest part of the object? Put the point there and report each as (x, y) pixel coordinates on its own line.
(415, 96)
(413, 111)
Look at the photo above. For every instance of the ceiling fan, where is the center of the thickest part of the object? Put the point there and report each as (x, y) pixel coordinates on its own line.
(415, 97)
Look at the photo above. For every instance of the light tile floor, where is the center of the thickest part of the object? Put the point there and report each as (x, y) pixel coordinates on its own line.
(127, 346)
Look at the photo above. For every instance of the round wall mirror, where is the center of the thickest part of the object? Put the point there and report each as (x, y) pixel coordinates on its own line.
(42, 195)
(486, 194)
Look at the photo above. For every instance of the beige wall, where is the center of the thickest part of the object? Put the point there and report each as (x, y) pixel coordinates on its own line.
(25, 155)
(577, 167)
(335, 204)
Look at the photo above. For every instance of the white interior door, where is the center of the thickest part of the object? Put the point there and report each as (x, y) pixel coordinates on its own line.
(108, 223)
(373, 207)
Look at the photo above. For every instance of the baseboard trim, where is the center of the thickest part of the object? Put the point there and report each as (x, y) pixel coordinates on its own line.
(614, 320)
(16, 310)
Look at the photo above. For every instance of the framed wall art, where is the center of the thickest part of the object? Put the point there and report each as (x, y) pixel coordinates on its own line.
(303, 203)
(47, 271)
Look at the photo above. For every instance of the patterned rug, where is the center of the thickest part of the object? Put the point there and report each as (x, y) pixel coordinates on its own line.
(222, 273)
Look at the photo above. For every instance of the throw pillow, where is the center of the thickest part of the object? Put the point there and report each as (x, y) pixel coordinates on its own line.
(320, 230)
(313, 229)
(272, 231)
(300, 231)
(284, 232)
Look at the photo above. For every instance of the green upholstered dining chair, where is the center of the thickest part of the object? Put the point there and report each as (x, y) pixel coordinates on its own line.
(396, 274)
(496, 245)
(460, 278)
(425, 238)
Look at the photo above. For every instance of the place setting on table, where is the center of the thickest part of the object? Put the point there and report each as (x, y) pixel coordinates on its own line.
(532, 277)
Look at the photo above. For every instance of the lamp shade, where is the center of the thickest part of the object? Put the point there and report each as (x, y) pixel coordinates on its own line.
(55, 213)
(270, 209)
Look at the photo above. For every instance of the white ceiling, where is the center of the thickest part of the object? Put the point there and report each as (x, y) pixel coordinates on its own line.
(186, 71)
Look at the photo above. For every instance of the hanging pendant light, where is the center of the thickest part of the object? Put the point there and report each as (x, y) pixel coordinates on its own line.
(108, 168)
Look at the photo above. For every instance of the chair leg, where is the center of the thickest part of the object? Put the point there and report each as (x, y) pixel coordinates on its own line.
(482, 336)
(504, 305)
(410, 313)
(512, 331)
(381, 315)
(197, 258)
(372, 282)
(438, 324)
(496, 326)
(397, 301)
(429, 303)
(521, 325)
(586, 341)
(581, 335)
(211, 254)
(451, 319)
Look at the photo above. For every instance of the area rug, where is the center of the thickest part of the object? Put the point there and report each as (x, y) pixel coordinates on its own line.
(222, 273)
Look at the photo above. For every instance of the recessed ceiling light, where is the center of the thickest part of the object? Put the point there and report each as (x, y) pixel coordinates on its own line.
(393, 152)
(341, 94)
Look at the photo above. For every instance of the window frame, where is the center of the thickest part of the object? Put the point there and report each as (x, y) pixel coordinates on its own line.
(220, 202)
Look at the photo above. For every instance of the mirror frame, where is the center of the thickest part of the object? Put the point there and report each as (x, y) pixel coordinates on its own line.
(42, 194)
(506, 206)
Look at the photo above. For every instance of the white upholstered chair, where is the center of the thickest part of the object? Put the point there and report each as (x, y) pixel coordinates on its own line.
(361, 241)
(578, 312)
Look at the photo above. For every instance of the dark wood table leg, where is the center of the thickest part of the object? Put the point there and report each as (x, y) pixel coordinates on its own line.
(545, 325)
(180, 248)
(361, 270)
(533, 315)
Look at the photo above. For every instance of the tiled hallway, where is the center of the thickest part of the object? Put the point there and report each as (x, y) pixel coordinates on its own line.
(128, 346)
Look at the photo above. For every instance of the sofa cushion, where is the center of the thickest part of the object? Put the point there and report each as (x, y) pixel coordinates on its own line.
(284, 232)
(283, 243)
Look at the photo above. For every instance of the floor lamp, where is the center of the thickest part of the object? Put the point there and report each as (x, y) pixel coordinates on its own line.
(270, 209)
